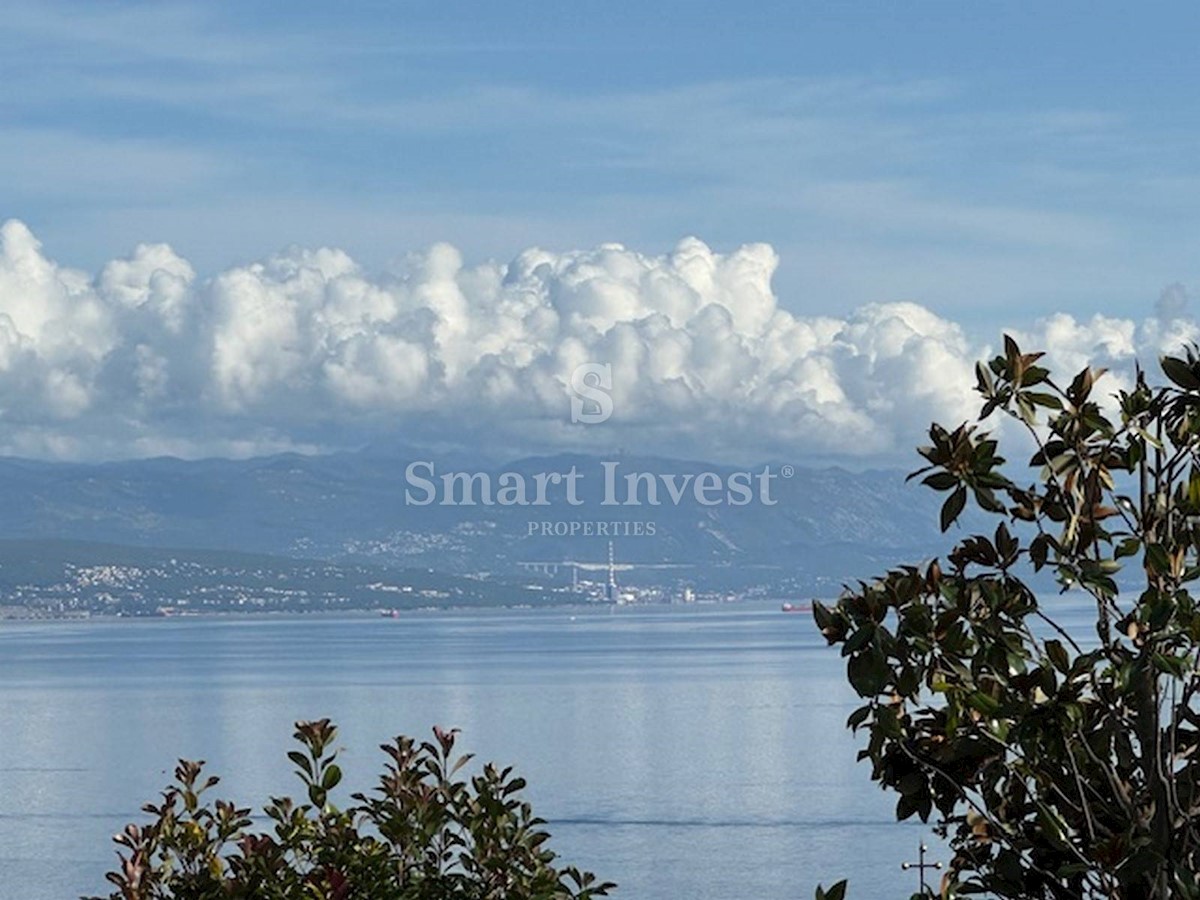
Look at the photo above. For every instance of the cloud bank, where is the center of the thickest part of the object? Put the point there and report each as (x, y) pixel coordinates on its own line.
(306, 350)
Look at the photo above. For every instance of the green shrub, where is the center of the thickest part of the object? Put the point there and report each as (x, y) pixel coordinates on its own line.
(1057, 763)
(424, 833)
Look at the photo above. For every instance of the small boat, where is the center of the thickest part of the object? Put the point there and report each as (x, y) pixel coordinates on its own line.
(796, 607)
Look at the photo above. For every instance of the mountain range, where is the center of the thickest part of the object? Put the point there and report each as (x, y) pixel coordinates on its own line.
(822, 526)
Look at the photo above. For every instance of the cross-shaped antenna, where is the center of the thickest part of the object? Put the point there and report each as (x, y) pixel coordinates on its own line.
(921, 866)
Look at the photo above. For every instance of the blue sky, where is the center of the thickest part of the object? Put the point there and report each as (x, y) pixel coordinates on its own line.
(978, 158)
(1016, 165)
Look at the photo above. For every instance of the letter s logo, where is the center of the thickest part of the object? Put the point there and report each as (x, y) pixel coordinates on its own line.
(591, 402)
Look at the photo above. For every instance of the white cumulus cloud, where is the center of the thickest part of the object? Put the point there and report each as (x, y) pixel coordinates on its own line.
(307, 350)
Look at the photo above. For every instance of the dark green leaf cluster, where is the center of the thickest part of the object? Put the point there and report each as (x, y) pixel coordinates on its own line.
(425, 833)
(1055, 765)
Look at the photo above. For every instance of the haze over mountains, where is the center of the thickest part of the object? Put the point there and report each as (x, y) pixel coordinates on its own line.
(824, 526)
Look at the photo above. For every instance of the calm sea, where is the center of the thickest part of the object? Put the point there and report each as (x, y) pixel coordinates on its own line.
(686, 753)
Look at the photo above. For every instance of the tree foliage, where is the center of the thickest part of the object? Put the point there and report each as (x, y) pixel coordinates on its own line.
(425, 833)
(1055, 764)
